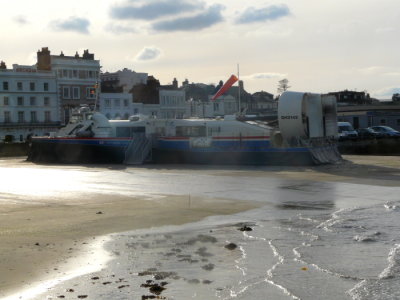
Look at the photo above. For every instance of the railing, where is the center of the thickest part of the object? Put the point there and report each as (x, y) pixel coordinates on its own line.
(138, 149)
(30, 124)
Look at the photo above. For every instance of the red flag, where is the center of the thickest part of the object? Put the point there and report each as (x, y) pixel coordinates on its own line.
(225, 87)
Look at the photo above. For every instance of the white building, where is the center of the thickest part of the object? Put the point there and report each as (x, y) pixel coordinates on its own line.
(117, 106)
(172, 104)
(77, 78)
(28, 102)
(224, 105)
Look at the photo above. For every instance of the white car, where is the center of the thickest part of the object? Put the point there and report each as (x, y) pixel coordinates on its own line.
(346, 131)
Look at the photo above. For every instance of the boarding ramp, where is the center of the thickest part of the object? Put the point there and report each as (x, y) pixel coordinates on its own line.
(139, 150)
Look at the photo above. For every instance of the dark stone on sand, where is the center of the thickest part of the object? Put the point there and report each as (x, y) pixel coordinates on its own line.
(205, 281)
(123, 286)
(37, 244)
(82, 296)
(208, 267)
(107, 282)
(99, 213)
(70, 290)
(154, 288)
(148, 297)
(61, 296)
(245, 228)
(231, 246)
(95, 278)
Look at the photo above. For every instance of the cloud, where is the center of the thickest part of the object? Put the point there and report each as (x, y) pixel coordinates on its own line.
(75, 24)
(148, 53)
(264, 76)
(119, 29)
(22, 20)
(269, 13)
(386, 93)
(200, 21)
(153, 9)
(372, 70)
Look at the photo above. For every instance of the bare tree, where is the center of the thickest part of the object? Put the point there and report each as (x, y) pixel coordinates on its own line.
(283, 85)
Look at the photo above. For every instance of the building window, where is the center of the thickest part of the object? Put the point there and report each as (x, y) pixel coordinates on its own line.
(7, 117)
(21, 117)
(33, 117)
(46, 101)
(6, 101)
(32, 101)
(398, 122)
(45, 86)
(126, 102)
(135, 111)
(90, 93)
(216, 106)
(5, 85)
(117, 103)
(75, 73)
(107, 103)
(383, 121)
(66, 92)
(19, 86)
(20, 101)
(47, 116)
(76, 92)
(65, 73)
(32, 86)
(90, 74)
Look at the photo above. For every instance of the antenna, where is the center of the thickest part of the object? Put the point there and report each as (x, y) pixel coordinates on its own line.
(238, 87)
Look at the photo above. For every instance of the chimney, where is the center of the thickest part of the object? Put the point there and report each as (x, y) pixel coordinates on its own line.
(43, 59)
(87, 55)
(3, 65)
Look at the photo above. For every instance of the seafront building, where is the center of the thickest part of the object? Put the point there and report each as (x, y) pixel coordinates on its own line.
(28, 101)
(77, 78)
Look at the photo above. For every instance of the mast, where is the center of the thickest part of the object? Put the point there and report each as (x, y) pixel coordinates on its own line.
(238, 87)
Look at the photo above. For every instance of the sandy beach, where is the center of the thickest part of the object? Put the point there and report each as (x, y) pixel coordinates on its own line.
(42, 238)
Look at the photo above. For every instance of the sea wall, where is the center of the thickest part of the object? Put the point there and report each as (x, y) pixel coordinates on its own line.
(13, 149)
(385, 146)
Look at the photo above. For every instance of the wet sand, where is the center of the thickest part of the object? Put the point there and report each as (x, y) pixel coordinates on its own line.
(42, 239)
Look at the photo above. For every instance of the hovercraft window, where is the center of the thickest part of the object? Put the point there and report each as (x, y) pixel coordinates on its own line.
(129, 131)
(191, 131)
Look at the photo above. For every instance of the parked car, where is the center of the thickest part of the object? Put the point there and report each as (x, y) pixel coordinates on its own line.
(369, 133)
(346, 131)
(386, 130)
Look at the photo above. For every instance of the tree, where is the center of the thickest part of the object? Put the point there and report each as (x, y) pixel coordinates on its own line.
(283, 85)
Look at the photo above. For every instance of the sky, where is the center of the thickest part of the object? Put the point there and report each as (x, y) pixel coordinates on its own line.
(318, 45)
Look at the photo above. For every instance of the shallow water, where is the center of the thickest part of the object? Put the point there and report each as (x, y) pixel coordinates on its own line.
(311, 240)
